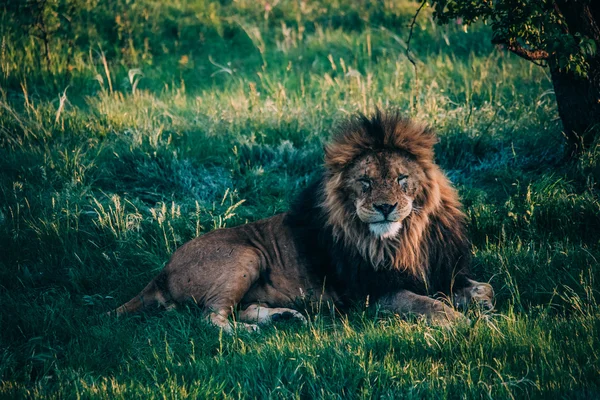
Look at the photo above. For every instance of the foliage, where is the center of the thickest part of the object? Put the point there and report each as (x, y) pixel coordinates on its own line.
(99, 184)
(537, 26)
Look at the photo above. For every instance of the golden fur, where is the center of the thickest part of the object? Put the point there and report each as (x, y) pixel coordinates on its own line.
(382, 221)
(409, 250)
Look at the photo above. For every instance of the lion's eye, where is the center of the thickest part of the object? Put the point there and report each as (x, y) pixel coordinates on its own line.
(366, 183)
(402, 179)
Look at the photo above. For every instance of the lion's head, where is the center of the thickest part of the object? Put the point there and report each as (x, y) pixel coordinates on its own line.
(382, 190)
(382, 185)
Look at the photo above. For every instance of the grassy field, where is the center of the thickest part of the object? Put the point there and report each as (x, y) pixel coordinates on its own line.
(128, 128)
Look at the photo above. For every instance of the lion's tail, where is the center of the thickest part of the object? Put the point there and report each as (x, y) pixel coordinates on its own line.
(151, 295)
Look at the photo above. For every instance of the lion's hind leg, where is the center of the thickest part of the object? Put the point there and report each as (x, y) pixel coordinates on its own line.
(226, 290)
(259, 314)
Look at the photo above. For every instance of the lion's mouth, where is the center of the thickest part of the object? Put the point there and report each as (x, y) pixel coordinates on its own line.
(385, 229)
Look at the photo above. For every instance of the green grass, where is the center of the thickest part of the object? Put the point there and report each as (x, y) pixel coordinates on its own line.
(225, 125)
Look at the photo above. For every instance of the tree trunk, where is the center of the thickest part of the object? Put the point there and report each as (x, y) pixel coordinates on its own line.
(578, 97)
(578, 100)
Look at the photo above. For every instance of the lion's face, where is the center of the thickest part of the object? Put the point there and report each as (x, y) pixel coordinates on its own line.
(382, 186)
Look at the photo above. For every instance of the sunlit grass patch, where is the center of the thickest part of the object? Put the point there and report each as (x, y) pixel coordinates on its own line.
(162, 122)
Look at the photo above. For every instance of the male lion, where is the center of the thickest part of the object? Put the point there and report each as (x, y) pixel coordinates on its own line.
(383, 222)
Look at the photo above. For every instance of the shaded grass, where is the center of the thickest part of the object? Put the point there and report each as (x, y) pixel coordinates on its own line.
(95, 196)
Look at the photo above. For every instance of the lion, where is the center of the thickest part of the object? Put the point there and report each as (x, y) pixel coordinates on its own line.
(382, 223)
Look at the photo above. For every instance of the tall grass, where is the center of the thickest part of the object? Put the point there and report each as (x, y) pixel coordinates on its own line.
(154, 123)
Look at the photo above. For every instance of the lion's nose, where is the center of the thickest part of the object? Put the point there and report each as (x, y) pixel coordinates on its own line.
(385, 209)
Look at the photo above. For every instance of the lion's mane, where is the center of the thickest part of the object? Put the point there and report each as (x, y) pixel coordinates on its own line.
(430, 252)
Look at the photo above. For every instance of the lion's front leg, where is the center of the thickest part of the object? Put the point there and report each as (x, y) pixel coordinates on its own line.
(477, 292)
(409, 303)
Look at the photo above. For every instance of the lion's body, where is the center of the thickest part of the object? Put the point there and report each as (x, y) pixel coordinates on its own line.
(341, 242)
(254, 263)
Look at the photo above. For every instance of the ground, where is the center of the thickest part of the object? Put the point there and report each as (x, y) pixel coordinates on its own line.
(146, 124)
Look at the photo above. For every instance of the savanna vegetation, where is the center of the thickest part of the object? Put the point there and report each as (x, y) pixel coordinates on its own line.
(129, 127)
(562, 35)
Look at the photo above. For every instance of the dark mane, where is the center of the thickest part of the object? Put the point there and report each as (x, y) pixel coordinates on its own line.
(430, 254)
(389, 131)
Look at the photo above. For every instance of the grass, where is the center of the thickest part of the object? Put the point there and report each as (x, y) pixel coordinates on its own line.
(153, 123)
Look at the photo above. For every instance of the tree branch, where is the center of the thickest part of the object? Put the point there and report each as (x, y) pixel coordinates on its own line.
(528, 54)
(410, 33)
(531, 55)
(412, 61)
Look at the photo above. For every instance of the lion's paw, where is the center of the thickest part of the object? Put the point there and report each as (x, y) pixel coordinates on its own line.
(247, 327)
(288, 315)
(477, 292)
(483, 293)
